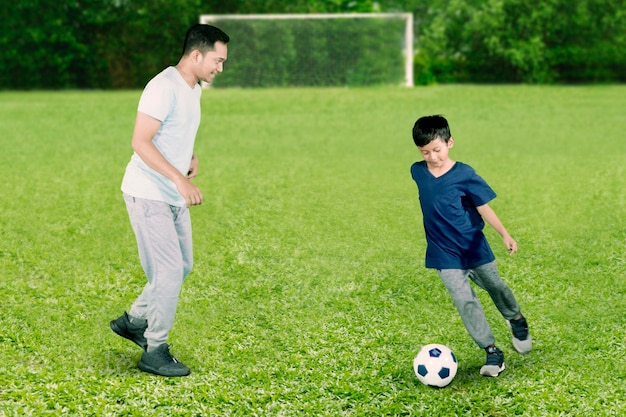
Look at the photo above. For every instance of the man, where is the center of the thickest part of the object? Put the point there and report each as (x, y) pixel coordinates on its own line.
(158, 193)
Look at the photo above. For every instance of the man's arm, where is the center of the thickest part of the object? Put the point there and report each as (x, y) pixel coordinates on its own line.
(490, 217)
(193, 167)
(146, 128)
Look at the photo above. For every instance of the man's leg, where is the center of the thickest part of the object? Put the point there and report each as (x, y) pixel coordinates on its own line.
(162, 261)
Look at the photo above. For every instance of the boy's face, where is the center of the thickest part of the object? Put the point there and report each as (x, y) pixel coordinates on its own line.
(436, 152)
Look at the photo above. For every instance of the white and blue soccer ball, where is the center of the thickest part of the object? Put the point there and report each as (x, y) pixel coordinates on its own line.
(435, 365)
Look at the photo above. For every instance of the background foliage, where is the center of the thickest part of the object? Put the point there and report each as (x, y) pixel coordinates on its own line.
(314, 53)
(533, 41)
(54, 44)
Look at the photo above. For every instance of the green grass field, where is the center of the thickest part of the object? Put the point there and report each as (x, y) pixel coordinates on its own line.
(309, 296)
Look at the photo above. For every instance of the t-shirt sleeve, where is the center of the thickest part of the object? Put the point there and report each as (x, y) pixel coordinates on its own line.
(417, 171)
(479, 191)
(157, 99)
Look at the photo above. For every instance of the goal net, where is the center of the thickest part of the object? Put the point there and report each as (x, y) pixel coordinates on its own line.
(348, 49)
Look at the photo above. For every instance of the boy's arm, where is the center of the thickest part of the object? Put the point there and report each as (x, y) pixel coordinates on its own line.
(490, 217)
(146, 128)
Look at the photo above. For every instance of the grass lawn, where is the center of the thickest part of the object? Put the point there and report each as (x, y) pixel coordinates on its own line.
(309, 295)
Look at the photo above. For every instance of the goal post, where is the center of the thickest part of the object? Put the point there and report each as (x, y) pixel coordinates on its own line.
(323, 49)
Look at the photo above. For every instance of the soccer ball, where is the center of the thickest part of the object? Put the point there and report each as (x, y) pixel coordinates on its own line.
(435, 365)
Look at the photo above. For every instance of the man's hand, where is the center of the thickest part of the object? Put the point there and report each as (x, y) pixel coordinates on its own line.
(189, 191)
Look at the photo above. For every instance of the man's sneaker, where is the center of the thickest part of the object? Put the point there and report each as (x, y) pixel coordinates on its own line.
(494, 363)
(161, 362)
(522, 342)
(123, 327)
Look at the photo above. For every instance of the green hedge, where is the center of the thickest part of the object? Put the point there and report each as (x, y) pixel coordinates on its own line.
(62, 44)
(529, 41)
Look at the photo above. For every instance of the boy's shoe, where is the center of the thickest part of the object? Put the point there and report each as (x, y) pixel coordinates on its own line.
(161, 362)
(494, 363)
(123, 327)
(522, 342)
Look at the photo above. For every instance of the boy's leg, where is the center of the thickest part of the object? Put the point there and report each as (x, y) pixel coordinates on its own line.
(468, 305)
(487, 277)
(162, 260)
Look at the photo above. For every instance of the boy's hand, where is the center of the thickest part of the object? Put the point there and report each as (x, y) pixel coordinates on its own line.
(490, 217)
(510, 243)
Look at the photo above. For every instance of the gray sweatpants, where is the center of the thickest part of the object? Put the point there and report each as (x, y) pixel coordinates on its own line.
(163, 235)
(469, 306)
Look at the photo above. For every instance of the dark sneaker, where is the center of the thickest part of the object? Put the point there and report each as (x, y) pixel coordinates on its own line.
(123, 327)
(522, 342)
(494, 363)
(161, 362)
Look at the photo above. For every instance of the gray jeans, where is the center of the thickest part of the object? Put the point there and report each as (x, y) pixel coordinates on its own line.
(467, 303)
(163, 235)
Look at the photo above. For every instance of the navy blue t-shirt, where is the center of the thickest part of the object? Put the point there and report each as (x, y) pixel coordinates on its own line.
(454, 229)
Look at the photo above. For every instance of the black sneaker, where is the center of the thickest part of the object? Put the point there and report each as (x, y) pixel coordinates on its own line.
(522, 342)
(123, 327)
(161, 362)
(494, 363)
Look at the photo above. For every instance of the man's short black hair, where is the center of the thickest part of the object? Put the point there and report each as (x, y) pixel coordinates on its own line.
(203, 37)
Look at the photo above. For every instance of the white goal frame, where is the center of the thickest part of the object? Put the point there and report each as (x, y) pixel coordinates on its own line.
(408, 31)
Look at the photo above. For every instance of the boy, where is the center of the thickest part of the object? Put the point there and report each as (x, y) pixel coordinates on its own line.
(453, 199)
(158, 192)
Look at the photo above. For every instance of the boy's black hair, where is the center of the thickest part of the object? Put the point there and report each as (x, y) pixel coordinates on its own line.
(203, 37)
(429, 128)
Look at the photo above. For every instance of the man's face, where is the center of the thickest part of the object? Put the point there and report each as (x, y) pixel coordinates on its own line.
(212, 62)
(436, 152)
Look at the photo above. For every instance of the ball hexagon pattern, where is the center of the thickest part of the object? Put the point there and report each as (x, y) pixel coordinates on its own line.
(435, 365)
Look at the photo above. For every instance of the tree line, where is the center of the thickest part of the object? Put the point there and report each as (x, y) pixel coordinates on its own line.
(119, 44)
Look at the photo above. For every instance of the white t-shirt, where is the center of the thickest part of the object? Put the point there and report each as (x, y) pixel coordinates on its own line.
(168, 98)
